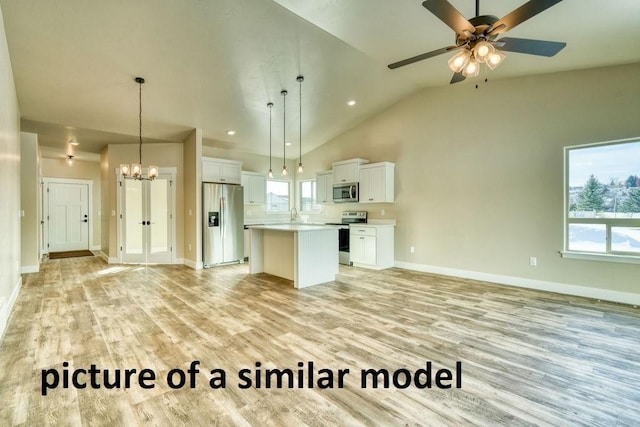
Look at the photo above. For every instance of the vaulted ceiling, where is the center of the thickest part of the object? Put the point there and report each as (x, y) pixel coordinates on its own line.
(216, 64)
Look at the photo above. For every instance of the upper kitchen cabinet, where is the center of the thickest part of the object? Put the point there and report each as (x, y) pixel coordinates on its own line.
(324, 187)
(347, 170)
(255, 188)
(377, 183)
(221, 170)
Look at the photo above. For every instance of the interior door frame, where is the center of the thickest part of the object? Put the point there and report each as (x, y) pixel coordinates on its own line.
(45, 207)
(172, 171)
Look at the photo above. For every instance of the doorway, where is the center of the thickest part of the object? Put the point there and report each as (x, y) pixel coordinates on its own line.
(146, 226)
(67, 214)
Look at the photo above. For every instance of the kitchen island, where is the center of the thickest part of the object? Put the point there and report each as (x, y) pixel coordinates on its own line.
(304, 253)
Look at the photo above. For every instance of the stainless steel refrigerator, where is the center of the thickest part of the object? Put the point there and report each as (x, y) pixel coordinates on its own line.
(223, 224)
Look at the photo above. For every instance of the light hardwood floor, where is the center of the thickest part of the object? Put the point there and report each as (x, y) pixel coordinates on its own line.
(528, 358)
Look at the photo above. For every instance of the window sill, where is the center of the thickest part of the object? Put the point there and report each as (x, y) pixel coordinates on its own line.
(625, 259)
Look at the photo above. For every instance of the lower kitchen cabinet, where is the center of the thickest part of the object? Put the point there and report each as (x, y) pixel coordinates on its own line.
(371, 246)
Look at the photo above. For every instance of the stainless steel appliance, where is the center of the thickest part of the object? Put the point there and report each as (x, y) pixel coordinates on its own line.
(223, 224)
(345, 192)
(348, 217)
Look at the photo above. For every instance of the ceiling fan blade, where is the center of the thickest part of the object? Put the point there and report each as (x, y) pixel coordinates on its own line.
(420, 57)
(531, 47)
(457, 77)
(521, 14)
(449, 15)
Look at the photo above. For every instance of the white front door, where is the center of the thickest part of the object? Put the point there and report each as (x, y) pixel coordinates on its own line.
(68, 217)
(146, 224)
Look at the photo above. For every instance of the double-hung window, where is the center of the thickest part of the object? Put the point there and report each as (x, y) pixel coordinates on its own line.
(278, 195)
(602, 200)
(307, 191)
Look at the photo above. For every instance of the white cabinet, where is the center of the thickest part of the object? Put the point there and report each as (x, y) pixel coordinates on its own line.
(324, 187)
(255, 188)
(377, 183)
(347, 170)
(371, 246)
(221, 170)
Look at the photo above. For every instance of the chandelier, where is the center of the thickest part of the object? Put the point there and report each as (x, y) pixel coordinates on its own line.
(134, 170)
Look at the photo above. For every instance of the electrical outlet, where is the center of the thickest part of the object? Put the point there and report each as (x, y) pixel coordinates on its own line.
(382, 212)
(533, 261)
(412, 249)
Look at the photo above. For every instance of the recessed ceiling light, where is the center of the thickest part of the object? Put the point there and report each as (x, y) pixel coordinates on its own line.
(74, 142)
(231, 132)
(351, 102)
(287, 144)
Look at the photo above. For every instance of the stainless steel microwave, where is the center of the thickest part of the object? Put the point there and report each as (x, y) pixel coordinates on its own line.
(345, 192)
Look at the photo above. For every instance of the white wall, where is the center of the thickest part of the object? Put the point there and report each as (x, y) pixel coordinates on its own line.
(10, 279)
(479, 174)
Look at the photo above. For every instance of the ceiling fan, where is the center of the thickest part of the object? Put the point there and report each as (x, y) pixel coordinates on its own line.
(476, 38)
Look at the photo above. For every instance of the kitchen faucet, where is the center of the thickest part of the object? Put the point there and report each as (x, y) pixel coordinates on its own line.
(294, 214)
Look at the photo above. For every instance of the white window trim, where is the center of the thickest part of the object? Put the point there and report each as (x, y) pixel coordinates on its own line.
(609, 256)
(270, 211)
(299, 198)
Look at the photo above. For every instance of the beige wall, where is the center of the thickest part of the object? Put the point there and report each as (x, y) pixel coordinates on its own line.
(10, 188)
(479, 172)
(105, 218)
(30, 203)
(87, 170)
(192, 150)
(162, 155)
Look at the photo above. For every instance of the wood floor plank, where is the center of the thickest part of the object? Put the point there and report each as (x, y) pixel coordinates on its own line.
(528, 357)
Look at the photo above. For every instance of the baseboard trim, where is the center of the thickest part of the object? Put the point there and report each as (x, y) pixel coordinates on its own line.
(95, 248)
(561, 288)
(103, 256)
(5, 310)
(191, 264)
(25, 269)
(112, 260)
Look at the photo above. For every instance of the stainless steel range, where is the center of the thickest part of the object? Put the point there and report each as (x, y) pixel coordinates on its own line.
(348, 217)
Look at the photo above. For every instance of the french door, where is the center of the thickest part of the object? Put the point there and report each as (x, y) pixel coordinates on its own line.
(147, 220)
(68, 216)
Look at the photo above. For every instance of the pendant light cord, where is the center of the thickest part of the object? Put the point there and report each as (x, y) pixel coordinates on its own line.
(270, 105)
(300, 79)
(284, 129)
(140, 122)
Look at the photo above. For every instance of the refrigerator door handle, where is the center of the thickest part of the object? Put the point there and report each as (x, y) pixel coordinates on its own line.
(222, 217)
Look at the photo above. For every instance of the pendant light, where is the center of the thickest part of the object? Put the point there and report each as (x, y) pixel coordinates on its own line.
(300, 79)
(270, 106)
(284, 132)
(134, 171)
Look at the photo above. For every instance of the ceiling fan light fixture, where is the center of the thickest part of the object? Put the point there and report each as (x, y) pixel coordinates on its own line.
(483, 50)
(459, 61)
(70, 160)
(472, 69)
(495, 59)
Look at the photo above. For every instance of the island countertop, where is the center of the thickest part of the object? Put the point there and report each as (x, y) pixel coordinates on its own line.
(289, 227)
